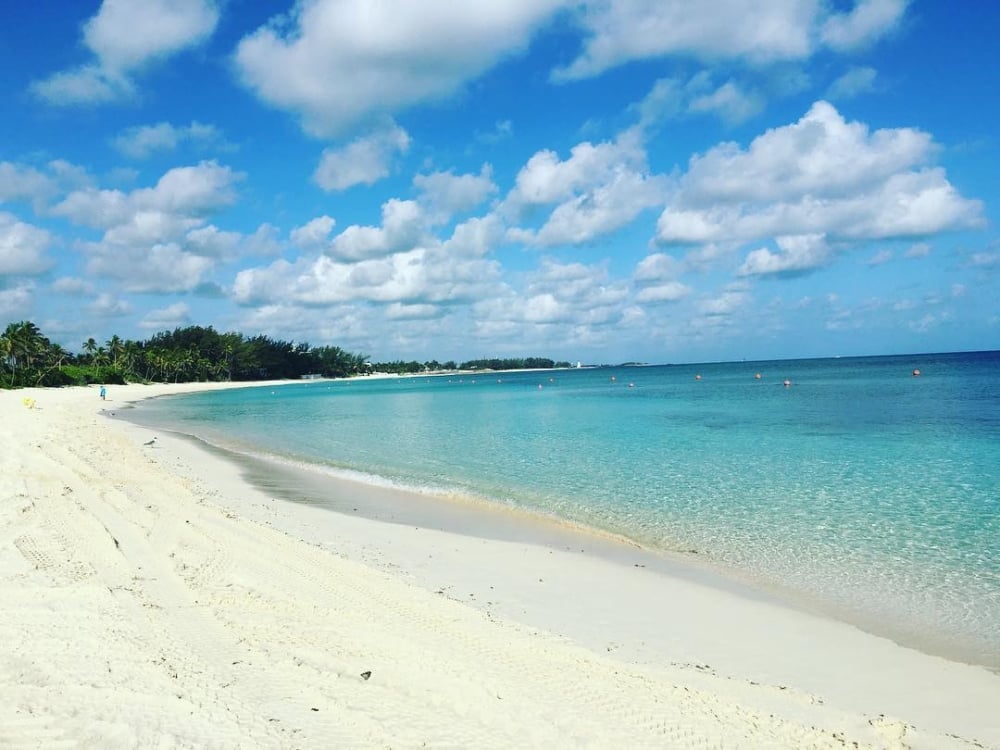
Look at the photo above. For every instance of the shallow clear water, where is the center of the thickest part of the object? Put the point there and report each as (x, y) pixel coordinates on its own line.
(860, 488)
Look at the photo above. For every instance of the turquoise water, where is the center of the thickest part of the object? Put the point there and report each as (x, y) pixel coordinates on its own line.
(860, 489)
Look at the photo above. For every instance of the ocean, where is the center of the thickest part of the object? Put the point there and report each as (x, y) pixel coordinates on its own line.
(859, 489)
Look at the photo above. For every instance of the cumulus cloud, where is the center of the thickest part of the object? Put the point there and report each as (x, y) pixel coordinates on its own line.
(364, 161)
(124, 36)
(106, 305)
(313, 235)
(730, 102)
(142, 141)
(672, 98)
(795, 255)
(655, 276)
(867, 21)
(858, 80)
(418, 276)
(880, 258)
(918, 250)
(731, 301)
(571, 293)
(402, 229)
(181, 193)
(758, 33)
(161, 268)
(475, 238)
(19, 182)
(15, 301)
(23, 247)
(156, 239)
(818, 176)
(336, 63)
(637, 29)
(598, 189)
(167, 318)
(446, 194)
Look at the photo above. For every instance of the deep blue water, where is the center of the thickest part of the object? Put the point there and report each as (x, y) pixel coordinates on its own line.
(860, 488)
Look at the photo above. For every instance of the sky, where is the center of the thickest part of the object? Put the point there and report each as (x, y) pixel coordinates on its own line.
(596, 181)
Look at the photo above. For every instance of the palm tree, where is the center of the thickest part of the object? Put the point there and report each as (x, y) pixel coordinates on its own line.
(90, 346)
(7, 350)
(22, 344)
(115, 349)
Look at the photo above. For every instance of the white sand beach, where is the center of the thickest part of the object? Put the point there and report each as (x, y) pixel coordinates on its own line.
(150, 597)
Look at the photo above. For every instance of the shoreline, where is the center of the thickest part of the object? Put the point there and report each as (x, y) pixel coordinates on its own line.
(338, 490)
(709, 664)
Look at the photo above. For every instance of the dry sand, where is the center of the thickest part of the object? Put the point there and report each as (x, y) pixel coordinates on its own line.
(151, 597)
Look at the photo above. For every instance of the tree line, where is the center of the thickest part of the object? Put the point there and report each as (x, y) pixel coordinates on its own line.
(197, 353)
(400, 367)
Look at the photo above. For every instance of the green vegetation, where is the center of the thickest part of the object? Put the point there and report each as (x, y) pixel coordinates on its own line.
(28, 358)
(525, 363)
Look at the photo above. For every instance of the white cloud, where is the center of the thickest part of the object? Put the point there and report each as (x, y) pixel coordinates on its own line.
(820, 175)
(734, 29)
(181, 193)
(574, 293)
(399, 311)
(727, 304)
(402, 228)
(985, 259)
(730, 102)
(796, 255)
(744, 30)
(124, 36)
(336, 63)
(22, 247)
(666, 291)
(419, 276)
(160, 268)
(858, 80)
(24, 183)
(364, 161)
(475, 238)
(144, 140)
(599, 188)
(880, 258)
(107, 305)
(156, 239)
(867, 21)
(447, 194)
(265, 242)
(655, 275)
(167, 318)
(314, 235)
(671, 98)
(16, 301)
(212, 242)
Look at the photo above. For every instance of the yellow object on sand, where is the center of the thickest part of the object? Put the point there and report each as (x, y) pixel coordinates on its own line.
(29, 402)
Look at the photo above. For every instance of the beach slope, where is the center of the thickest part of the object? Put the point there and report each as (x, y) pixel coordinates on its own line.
(142, 607)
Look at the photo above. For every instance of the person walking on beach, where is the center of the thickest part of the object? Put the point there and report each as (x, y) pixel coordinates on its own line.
(104, 392)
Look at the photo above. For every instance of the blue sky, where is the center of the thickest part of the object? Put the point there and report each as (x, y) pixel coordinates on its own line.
(650, 180)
